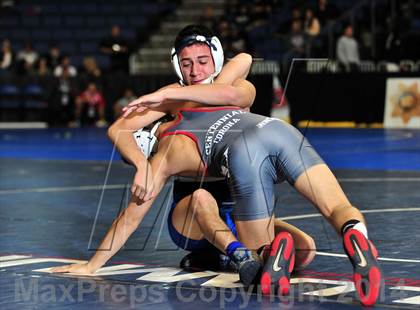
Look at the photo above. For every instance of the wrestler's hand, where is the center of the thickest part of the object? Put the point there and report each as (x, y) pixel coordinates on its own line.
(143, 184)
(140, 104)
(83, 269)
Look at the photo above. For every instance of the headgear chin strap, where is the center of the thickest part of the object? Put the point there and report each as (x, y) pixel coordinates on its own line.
(216, 53)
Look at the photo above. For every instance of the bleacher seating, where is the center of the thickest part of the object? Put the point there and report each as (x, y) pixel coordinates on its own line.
(76, 26)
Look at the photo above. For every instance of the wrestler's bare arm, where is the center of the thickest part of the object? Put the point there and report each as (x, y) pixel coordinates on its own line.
(236, 68)
(121, 134)
(229, 88)
(130, 219)
(123, 226)
(240, 93)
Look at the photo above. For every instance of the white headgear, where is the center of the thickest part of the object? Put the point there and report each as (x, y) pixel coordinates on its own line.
(146, 140)
(216, 52)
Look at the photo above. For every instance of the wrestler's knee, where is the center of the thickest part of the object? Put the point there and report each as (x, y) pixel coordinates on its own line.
(203, 201)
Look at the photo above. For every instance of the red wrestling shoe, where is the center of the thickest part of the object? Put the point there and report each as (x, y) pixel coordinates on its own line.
(279, 265)
(367, 275)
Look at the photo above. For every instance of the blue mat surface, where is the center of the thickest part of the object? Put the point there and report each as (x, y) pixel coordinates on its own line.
(341, 148)
(53, 205)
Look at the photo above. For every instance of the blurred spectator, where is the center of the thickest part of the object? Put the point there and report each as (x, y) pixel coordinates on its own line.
(312, 29)
(326, 11)
(90, 106)
(8, 7)
(296, 44)
(208, 19)
(231, 9)
(26, 59)
(53, 57)
(258, 14)
(62, 97)
(311, 23)
(123, 101)
(90, 72)
(65, 64)
(232, 39)
(296, 15)
(90, 66)
(237, 43)
(348, 50)
(397, 40)
(6, 56)
(42, 69)
(116, 46)
(223, 31)
(242, 17)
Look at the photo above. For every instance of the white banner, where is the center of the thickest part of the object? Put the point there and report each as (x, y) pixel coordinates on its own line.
(402, 103)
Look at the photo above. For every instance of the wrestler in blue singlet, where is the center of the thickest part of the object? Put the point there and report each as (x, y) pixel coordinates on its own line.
(183, 188)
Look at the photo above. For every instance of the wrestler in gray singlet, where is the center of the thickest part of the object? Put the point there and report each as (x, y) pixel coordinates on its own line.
(253, 151)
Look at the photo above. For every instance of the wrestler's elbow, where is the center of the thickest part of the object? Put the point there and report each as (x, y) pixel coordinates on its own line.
(243, 96)
(246, 62)
(113, 131)
(119, 125)
(245, 58)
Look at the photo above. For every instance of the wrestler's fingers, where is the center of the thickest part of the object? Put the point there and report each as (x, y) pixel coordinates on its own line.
(133, 189)
(141, 109)
(128, 111)
(139, 192)
(137, 108)
(135, 102)
(143, 194)
(136, 191)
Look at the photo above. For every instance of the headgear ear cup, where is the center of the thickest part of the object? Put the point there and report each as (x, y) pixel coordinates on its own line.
(146, 139)
(217, 53)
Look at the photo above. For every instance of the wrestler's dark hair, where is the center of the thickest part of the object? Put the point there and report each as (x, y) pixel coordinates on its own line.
(191, 30)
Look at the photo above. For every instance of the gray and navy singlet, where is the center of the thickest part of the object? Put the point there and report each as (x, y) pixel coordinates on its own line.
(253, 151)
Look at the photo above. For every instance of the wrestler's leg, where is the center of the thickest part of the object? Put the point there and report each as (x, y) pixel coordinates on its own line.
(255, 233)
(303, 168)
(197, 217)
(301, 165)
(320, 186)
(304, 244)
(252, 176)
(253, 237)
